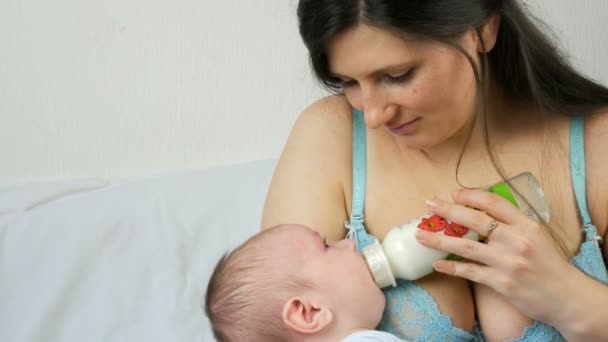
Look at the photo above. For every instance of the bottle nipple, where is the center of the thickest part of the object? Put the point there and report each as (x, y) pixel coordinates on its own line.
(378, 265)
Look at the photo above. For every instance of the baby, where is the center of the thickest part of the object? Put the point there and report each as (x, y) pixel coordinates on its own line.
(287, 284)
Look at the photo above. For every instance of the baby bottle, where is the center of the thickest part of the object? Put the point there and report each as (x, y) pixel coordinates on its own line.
(524, 192)
(400, 255)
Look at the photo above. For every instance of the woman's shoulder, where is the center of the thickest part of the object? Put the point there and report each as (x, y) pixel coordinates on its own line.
(309, 183)
(332, 112)
(597, 123)
(322, 132)
(596, 139)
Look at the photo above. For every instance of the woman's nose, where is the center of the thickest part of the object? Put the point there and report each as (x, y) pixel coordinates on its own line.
(345, 244)
(377, 109)
(378, 116)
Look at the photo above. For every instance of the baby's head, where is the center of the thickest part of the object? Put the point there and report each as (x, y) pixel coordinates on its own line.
(287, 284)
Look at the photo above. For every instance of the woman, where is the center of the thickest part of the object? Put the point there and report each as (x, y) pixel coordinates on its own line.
(443, 95)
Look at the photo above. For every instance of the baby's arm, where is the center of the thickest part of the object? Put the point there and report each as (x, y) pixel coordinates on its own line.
(498, 319)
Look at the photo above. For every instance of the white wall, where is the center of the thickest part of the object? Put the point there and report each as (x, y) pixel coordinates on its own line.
(134, 87)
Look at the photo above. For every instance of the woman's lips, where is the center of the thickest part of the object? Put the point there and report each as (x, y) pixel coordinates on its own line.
(405, 128)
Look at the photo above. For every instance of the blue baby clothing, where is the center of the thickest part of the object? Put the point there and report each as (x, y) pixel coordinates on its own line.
(411, 313)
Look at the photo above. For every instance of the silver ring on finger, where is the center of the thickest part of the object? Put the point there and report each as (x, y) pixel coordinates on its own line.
(491, 226)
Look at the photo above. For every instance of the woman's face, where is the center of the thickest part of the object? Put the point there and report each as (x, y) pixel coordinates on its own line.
(423, 92)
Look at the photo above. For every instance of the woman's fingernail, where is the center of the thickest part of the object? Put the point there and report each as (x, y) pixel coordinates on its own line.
(433, 203)
(439, 265)
(422, 236)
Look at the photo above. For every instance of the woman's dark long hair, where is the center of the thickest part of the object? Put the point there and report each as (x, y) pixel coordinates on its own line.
(525, 64)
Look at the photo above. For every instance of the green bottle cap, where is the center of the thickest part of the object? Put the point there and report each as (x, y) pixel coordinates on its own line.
(454, 257)
(503, 190)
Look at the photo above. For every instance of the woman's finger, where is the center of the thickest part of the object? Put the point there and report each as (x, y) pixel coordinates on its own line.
(474, 219)
(493, 204)
(466, 248)
(474, 272)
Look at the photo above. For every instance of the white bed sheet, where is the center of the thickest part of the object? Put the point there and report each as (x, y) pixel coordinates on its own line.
(88, 260)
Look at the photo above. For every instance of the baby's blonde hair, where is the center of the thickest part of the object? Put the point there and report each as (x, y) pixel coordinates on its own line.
(247, 291)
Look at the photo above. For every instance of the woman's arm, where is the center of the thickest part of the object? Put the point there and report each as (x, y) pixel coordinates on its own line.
(597, 141)
(605, 246)
(586, 316)
(313, 174)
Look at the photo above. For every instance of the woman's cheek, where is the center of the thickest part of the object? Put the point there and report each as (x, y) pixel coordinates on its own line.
(420, 98)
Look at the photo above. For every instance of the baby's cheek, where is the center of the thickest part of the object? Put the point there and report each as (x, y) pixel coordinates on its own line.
(359, 270)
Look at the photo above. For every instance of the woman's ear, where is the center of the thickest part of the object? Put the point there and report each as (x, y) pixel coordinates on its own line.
(489, 33)
(306, 317)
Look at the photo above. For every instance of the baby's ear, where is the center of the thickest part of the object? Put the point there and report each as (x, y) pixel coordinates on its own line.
(304, 316)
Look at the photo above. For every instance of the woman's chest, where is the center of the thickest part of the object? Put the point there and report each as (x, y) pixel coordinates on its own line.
(398, 186)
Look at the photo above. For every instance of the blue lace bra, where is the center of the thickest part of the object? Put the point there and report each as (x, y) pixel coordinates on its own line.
(411, 313)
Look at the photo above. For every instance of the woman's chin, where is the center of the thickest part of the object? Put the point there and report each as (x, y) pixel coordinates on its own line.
(412, 143)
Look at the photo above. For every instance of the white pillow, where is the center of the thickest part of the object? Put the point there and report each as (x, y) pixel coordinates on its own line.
(92, 261)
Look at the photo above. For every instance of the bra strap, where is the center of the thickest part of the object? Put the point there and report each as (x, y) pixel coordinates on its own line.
(355, 224)
(359, 166)
(577, 166)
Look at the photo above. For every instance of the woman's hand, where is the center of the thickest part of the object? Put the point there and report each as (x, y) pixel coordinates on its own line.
(518, 260)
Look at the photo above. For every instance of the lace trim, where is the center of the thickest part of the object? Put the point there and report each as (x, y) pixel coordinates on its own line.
(412, 314)
(540, 332)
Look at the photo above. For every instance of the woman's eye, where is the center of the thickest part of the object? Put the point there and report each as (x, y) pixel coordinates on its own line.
(401, 78)
(348, 84)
